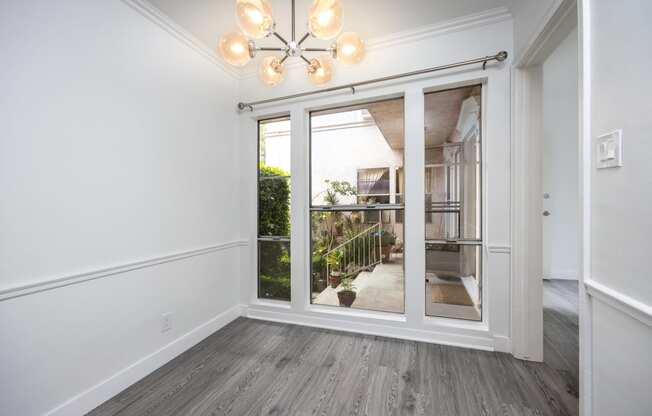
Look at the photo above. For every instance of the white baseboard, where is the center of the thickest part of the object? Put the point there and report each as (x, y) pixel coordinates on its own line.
(103, 391)
(502, 343)
(478, 341)
(561, 275)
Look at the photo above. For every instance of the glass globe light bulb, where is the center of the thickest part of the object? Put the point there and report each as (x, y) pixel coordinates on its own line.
(254, 17)
(320, 70)
(349, 48)
(271, 71)
(325, 19)
(234, 48)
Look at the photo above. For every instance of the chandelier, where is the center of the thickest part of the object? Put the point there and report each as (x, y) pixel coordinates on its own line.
(324, 22)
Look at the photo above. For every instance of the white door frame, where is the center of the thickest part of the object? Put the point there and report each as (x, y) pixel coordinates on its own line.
(527, 268)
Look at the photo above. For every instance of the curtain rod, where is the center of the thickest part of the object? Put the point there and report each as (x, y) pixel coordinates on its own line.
(499, 57)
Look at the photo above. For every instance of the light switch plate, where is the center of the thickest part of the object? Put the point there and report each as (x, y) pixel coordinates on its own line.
(610, 150)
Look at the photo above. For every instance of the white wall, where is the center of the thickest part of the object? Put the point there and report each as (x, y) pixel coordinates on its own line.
(560, 155)
(117, 145)
(616, 38)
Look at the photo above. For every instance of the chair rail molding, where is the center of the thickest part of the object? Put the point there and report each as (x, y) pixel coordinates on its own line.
(76, 278)
(624, 303)
(499, 248)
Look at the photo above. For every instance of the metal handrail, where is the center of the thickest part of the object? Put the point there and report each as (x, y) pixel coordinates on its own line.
(365, 254)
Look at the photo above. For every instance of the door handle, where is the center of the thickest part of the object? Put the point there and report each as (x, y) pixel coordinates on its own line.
(546, 213)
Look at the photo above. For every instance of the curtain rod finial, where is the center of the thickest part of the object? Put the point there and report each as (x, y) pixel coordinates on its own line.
(244, 106)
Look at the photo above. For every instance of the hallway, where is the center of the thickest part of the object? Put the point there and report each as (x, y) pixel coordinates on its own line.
(561, 330)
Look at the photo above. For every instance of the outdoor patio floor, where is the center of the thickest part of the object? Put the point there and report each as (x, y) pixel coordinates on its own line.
(379, 290)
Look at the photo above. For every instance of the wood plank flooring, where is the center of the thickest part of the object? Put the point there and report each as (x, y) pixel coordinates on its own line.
(264, 368)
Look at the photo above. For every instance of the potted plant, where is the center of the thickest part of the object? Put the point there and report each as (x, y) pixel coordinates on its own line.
(387, 241)
(346, 294)
(333, 261)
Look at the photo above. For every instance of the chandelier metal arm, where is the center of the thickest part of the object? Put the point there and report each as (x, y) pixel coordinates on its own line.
(279, 37)
(305, 59)
(317, 49)
(271, 49)
(303, 38)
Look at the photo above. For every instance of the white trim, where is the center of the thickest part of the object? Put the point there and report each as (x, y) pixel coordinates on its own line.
(526, 260)
(626, 304)
(71, 279)
(156, 16)
(561, 275)
(547, 35)
(502, 343)
(467, 22)
(504, 249)
(445, 27)
(483, 341)
(104, 390)
(585, 147)
(527, 266)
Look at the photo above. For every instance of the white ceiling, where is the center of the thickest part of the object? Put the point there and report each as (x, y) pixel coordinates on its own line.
(208, 19)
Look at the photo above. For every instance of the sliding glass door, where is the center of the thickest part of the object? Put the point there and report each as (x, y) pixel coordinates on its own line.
(274, 209)
(356, 221)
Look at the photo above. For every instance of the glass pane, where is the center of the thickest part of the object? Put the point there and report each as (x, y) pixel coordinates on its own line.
(453, 281)
(274, 178)
(355, 153)
(273, 205)
(357, 260)
(274, 208)
(452, 175)
(274, 270)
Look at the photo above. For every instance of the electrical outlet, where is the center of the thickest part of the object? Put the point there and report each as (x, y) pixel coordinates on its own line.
(166, 322)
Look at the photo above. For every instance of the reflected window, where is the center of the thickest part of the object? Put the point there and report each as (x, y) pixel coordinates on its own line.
(453, 196)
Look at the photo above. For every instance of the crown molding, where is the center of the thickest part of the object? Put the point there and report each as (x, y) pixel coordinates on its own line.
(470, 21)
(467, 22)
(156, 16)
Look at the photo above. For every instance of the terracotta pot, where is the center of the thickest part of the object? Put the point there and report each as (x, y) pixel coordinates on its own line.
(346, 297)
(334, 279)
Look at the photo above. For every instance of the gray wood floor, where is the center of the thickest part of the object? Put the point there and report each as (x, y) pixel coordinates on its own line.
(264, 368)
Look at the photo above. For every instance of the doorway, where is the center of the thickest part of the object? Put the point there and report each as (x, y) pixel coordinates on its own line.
(560, 204)
(546, 202)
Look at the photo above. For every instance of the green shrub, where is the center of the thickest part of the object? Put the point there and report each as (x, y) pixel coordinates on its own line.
(273, 202)
(274, 287)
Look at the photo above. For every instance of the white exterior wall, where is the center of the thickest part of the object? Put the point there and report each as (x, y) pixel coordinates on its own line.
(119, 201)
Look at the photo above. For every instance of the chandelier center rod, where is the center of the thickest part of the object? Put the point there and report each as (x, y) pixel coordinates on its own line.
(293, 23)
